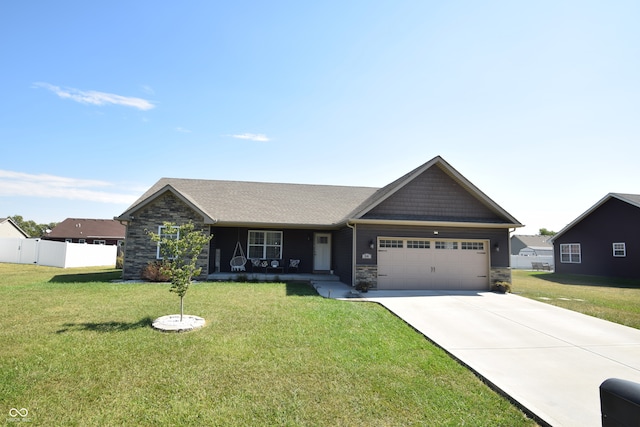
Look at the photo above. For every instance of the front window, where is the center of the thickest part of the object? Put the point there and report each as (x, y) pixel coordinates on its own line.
(165, 232)
(570, 253)
(619, 249)
(265, 244)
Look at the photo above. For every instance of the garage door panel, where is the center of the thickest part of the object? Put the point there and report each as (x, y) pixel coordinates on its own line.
(433, 264)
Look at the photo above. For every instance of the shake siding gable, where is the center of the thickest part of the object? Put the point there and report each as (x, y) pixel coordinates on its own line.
(147, 219)
(433, 196)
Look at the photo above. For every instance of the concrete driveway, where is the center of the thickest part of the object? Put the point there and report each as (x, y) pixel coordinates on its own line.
(548, 359)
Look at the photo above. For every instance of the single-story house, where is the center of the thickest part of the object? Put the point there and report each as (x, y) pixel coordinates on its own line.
(537, 245)
(429, 229)
(9, 228)
(90, 231)
(603, 241)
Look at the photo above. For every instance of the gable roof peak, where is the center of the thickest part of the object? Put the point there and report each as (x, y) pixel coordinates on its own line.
(438, 161)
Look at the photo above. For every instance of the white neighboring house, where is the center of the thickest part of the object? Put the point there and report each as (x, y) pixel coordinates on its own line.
(9, 228)
(528, 252)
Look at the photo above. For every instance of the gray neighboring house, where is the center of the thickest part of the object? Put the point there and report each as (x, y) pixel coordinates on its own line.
(9, 228)
(429, 229)
(603, 241)
(537, 245)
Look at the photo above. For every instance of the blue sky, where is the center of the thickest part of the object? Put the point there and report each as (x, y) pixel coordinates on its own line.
(536, 103)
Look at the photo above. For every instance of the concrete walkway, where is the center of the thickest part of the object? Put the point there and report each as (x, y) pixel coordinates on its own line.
(549, 360)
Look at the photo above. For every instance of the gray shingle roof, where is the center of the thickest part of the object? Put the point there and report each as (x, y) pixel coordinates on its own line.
(77, 228)
(237, 202)
(255, 203)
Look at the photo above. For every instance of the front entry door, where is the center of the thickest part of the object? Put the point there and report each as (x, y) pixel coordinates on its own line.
(322, 252)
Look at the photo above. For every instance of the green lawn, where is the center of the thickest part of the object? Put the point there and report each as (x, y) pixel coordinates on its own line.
(616, 300)
(77, 349)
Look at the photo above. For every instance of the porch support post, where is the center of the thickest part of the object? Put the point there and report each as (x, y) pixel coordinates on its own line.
(353, 252)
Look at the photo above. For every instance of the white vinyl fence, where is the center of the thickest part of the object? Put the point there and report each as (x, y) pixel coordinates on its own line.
(56, 254)
(520, 262)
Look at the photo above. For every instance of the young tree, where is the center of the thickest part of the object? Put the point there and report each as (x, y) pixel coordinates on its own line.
(180, 246)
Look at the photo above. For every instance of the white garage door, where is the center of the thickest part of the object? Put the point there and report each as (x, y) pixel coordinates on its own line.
(405, 263)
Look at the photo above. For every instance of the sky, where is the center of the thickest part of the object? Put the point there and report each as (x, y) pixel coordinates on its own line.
(536, 103)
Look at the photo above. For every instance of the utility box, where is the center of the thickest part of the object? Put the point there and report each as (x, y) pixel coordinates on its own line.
(620, 403)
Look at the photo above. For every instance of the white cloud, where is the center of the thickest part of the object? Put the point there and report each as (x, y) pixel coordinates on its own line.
(97, 98)
(260, 137)
(51, 186)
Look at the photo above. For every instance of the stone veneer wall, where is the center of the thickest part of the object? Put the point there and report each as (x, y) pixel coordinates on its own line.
(500, 274)
(367, 273)
(140, 250)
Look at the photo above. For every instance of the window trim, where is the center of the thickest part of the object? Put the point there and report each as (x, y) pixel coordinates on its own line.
(622, 249)
(265, 245)
(571, 255)
(99, 242)
(161, 234)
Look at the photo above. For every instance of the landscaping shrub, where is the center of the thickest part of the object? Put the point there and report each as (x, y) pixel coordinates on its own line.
(155, 272)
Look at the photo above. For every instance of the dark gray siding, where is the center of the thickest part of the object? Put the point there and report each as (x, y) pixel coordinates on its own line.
(343, 254)
(434, 196)
(296, 244)
(614, 221)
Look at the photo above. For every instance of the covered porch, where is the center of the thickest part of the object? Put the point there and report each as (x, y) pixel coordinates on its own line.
(248, 276)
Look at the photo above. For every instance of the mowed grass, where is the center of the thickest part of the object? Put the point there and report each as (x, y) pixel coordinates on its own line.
(79, 350)
(615, 300)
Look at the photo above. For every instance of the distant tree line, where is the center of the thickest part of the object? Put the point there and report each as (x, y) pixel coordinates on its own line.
(545, 232)
(31, 228)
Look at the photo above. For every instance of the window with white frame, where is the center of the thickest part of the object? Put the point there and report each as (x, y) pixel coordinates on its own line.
(391, 243)
(446, 245)
(620, 249)
(265, 244)
(570, 253)
(472, 246)
(99, 242)
(82, 241)
(165, 232)
(418, 244)
(68, 240)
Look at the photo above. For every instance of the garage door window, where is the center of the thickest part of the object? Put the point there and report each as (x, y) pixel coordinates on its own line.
(447, 245)
(390, 243)
(472, 246)
(418, 244)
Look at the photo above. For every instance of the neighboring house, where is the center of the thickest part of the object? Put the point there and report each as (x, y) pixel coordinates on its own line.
(531, 245)
(429, 229)
(9, 228)
(603, 241)
(90, 231)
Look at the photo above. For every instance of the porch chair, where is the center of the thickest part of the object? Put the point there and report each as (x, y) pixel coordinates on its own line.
(238, 261)
(293, 263)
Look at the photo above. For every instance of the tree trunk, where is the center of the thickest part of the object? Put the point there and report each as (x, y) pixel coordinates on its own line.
(181, 307)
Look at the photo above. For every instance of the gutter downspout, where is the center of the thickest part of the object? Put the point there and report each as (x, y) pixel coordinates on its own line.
(353, 254)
